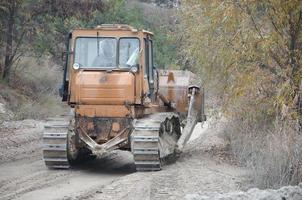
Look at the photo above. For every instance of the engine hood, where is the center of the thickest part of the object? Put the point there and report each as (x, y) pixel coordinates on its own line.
(104, 88)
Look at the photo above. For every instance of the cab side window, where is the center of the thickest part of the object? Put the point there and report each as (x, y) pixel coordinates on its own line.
(149, 59)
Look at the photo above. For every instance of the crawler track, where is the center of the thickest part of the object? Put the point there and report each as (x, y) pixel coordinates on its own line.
(153, 139)
(145, 148)
(55, 144)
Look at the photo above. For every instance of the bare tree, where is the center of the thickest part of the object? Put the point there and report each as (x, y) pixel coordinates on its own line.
(11, 39)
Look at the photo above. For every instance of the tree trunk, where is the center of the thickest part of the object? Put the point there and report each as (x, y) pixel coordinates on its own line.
(9, 44)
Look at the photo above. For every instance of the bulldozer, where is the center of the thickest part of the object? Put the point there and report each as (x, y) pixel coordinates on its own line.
(120, 101)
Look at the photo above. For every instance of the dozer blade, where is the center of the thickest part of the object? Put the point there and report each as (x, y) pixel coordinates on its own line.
(194, 116)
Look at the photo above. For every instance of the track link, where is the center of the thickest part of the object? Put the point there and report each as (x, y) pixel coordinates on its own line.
(150, 143)
(55, 144)
(145, 149)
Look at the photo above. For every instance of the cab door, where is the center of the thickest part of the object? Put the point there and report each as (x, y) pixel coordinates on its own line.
(149, 73)
(66, 58)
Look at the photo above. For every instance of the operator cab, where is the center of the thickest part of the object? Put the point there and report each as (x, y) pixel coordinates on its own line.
(117, 49)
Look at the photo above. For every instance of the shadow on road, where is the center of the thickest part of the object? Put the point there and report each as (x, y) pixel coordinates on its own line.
(117, 162)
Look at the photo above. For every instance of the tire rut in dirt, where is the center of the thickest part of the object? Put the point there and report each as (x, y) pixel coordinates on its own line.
(18, 186)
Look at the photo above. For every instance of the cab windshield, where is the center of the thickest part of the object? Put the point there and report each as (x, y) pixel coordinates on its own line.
(102, 52)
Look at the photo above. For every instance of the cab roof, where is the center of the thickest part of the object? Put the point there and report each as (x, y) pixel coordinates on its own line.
(115, 27)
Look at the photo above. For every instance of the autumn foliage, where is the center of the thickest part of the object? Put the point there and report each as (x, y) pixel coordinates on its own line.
(249, 53)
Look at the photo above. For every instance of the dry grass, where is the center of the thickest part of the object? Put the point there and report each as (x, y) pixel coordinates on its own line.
(33, 90)
(273, 153)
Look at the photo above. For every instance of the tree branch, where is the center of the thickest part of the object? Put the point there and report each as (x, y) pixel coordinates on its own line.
(18, 44)
(247, 11)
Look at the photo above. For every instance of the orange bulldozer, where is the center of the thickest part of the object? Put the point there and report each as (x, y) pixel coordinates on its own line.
(121, 101)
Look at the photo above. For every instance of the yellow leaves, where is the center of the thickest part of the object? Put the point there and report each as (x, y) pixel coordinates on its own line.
(238, 92)
(242, 47)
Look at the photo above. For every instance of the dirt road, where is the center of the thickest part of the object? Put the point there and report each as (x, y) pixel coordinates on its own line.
(204, 166)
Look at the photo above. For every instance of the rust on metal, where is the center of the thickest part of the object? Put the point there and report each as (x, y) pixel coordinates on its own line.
(99, 149)
(173, 85)
(170, 77)
(193, 116)
(102, 129)
(103, 111)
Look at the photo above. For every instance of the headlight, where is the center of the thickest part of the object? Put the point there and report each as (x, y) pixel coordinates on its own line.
(76, 66)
